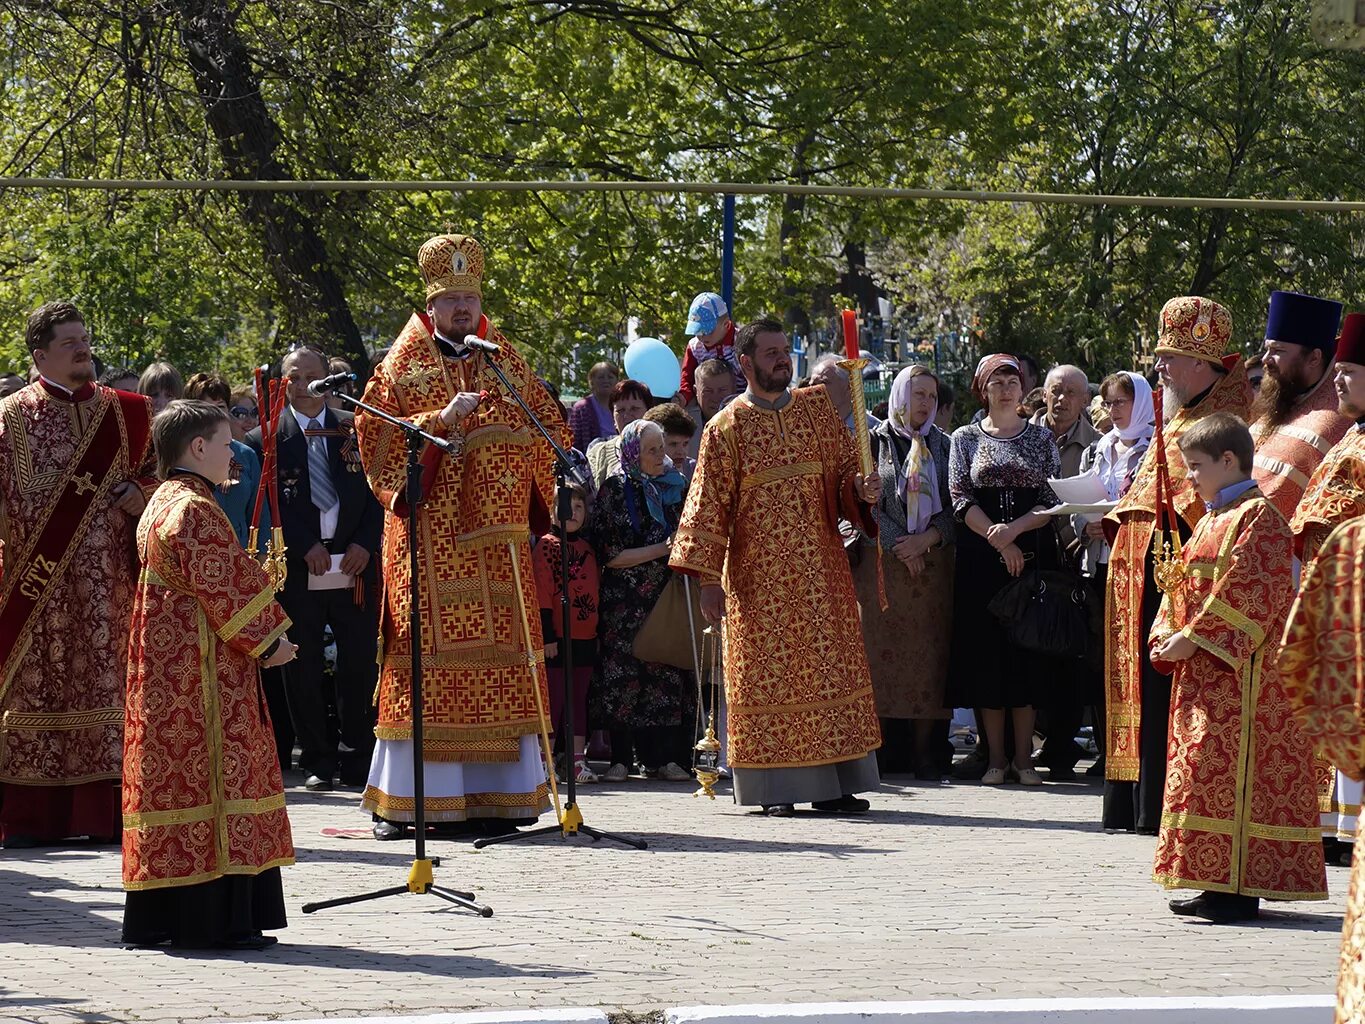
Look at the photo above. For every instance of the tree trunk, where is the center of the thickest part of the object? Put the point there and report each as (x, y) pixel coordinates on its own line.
(794, 313)
(310, 287)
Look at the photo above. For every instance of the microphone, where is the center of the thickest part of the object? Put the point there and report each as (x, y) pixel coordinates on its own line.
(318, 388)
(474, 341)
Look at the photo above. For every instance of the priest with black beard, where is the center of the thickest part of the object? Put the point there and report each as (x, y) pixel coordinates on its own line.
(1295, 420)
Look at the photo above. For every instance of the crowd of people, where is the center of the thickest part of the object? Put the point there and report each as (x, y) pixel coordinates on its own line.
(861, 595)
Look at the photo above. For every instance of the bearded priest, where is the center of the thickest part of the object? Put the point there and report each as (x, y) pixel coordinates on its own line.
(776, 472)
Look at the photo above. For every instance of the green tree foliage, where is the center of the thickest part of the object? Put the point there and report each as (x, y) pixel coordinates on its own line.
(1102, 96)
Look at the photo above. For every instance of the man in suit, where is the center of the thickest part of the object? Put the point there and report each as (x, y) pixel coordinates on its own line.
(331, 522)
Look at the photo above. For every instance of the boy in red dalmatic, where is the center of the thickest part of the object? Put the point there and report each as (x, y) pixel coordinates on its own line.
(1240, 817)
(204, 826)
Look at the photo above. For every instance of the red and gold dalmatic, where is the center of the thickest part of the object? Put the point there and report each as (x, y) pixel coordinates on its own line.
(479, 701)
(1287, 454)
(66, 595)
(1322, 662)
(202, 794)
(1336, 493)
(762, 520)
(1136, 516)
(1240, 812)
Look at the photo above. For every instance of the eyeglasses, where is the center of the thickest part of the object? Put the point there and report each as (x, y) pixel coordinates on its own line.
(241, 412)
(1117, 403)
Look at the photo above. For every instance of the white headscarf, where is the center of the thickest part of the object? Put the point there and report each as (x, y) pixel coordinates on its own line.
(1143, 421)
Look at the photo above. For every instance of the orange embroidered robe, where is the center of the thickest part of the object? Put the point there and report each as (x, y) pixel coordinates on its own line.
(1287, 455)
(478, 698)
(761, 518)
(1240, 813)
(1136, 518)
(202, 794)
(1335, 494)
(1324, 679)
(67, 580)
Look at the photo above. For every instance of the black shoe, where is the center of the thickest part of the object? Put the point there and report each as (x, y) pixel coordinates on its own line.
(973, 766)
(149, 941)
(1227, 908)
(779, 810)
(1061, 773)
(317, 784)
(387, 830)
(1188, 907)
(1096, 770)
(18, 843)
(256, 941)
(497, 826)
(846, 804)
(928, 773)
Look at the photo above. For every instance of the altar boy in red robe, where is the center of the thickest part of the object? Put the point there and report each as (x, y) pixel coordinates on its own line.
(1240, 816)
(204, 826)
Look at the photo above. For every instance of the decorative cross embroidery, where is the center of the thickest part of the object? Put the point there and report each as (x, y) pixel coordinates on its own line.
(419, 380)
(83, 483)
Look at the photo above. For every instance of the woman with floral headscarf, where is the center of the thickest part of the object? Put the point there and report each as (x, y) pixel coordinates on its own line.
(907, 645)
(647, 706)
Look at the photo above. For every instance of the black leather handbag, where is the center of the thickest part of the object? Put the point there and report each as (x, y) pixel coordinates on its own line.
(1048, 612)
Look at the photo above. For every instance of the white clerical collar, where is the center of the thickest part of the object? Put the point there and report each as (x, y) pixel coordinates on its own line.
(53, 383)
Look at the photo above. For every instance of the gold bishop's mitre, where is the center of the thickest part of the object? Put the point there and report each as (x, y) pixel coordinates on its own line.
(451, 263)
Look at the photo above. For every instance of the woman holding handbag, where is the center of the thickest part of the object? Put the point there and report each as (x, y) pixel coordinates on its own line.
(648, 706)
(998, 470)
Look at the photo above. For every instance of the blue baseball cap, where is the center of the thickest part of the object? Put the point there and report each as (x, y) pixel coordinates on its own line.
(704, 313)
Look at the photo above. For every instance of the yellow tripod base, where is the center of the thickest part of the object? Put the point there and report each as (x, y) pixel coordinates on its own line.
(571, 819)
(420, 877)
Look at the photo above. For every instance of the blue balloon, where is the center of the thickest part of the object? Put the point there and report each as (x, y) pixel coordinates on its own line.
(654, 365)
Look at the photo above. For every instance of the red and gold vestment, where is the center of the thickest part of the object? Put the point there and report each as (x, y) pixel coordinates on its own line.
(479, 697)
(1287, 454)
(1136, 518)
(202, 794)
(1322, 661)
(762, 519)
(1240, 812)
(67, 575)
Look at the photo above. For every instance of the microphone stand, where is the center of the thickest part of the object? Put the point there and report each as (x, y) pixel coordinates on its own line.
(420, 879)
(571, 822)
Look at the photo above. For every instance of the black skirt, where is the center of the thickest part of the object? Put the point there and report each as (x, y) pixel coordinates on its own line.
(985, 669)
(207, 914)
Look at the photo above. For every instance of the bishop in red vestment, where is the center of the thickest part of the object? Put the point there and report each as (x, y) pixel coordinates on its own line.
(74, 472)
(204, 826)
(1240, 815)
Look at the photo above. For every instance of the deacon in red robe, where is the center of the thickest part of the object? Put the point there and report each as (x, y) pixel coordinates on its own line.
(204, 826)
(1240, 819)
(74, 475)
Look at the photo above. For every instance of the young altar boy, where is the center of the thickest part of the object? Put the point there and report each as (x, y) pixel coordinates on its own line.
(204, 826)
(1240, 816)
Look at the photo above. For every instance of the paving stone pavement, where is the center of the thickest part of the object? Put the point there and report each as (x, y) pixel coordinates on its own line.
(941, 891)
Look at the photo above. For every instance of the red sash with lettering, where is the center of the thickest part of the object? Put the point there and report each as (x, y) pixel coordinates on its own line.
(29, 577)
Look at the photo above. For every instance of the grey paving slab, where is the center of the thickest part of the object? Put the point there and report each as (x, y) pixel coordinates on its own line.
(950, 891)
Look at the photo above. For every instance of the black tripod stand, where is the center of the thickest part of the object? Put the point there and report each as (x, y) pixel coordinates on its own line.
(571, 821)
(420, 876)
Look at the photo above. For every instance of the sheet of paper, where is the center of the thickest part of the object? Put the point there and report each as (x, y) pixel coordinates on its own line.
(1090, 512)
(1086, 489)
(332, 579)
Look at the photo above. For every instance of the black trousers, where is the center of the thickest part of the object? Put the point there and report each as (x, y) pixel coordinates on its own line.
(272, 682)
(655, 745)
(355, 630)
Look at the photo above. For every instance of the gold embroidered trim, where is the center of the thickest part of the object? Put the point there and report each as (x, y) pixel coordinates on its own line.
(1197, 823)
(776, 473)
(271, 637)
(204, 812)
(249, 611)
(1306, 436)
(61, 721)
(458, 808)
(1279, 468)
(1220, 608)
(207, 876)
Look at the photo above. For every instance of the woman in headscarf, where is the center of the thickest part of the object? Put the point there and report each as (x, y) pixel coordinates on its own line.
(1114, 458)
(649, 708)
(907, 645)
(998, 470)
